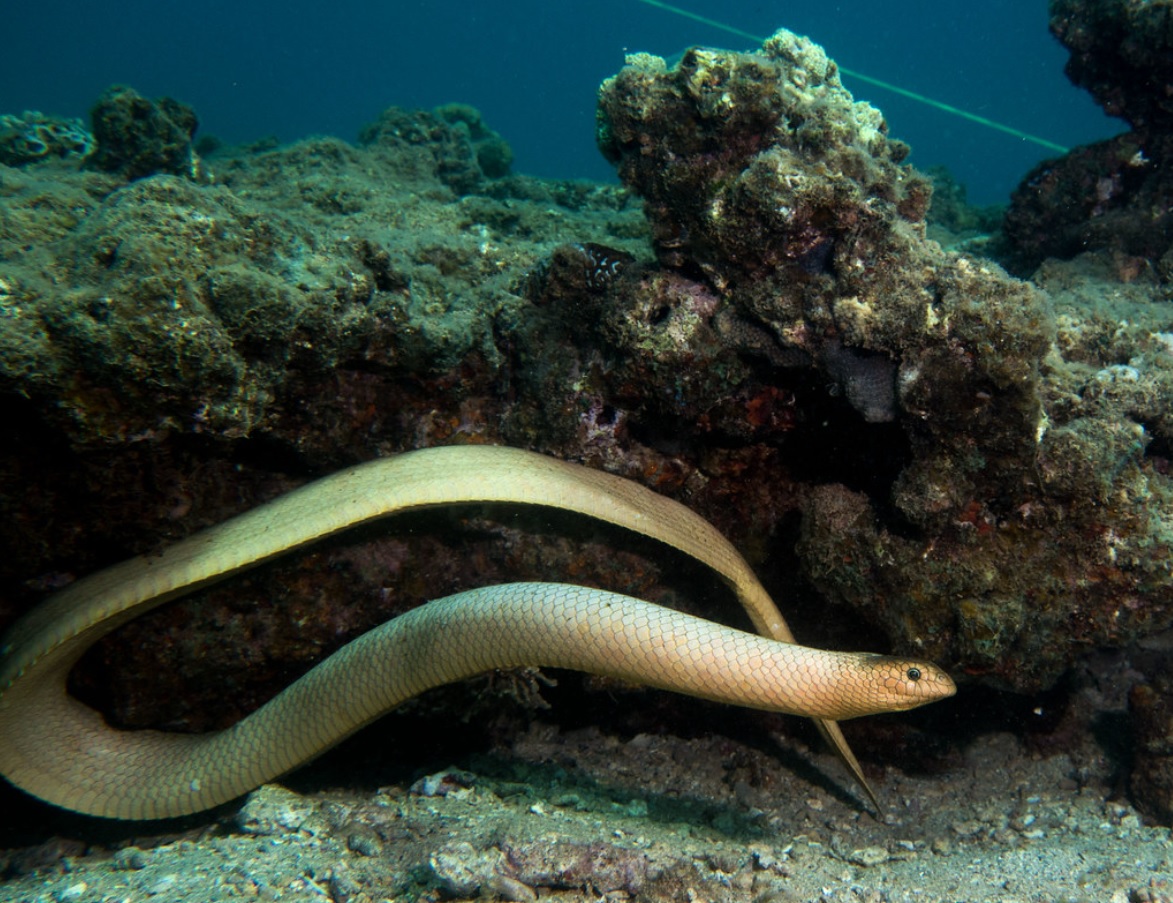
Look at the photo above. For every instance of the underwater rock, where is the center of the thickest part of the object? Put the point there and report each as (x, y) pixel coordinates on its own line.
(609, 870)
(1122, 53)
(1108, 196)
(168, 323)
(172, 351)
(195, 308)
(763, 177)
(459, 149)
(1111, 195)
(755, 164)
(1150, 708)
(137, 137)
(764, 180)
(494, 155)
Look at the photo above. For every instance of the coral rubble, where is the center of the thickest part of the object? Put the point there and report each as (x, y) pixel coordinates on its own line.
(33, 136)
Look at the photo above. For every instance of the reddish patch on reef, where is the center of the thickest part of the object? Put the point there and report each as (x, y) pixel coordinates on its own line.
(773, 409)
(974, 515)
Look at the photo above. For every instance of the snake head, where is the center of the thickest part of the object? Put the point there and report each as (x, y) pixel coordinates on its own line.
(906, 683)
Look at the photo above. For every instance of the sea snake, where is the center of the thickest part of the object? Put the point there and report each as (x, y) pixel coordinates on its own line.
(61, 751)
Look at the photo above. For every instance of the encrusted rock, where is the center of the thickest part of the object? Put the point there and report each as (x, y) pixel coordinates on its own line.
(453, 141)
(1122, 52)
(761, 172)
(567, 864)
(464, 871)
(1150, 709)
(1111, 195)
(137, 137)
(272, 809)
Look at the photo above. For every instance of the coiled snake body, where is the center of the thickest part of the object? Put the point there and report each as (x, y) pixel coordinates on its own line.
(58, 749)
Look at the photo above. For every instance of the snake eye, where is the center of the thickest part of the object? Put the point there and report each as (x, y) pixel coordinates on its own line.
(913, 674)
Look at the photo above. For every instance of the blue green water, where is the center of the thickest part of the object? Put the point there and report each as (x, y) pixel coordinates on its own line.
(532, 66)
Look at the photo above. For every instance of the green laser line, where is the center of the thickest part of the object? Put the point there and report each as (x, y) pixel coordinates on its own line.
(867, 79)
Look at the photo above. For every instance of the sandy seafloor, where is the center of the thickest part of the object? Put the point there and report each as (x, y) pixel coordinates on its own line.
(580, 814)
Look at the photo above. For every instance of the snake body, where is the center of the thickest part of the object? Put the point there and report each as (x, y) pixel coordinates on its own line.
(56, 748)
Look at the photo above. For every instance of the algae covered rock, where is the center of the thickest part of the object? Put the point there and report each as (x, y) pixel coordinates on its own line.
(453, 142)
(754, 163)
(137, 137)
(1121, 52)
(170, 348)
(763, 176)
(1110, 195)
(168, 320)
(1151, 711)
(968, 506)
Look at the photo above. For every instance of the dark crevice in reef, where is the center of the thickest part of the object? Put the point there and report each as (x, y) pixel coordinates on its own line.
(1159, 449)
(274, 454)
(828, 442)
(831, 443)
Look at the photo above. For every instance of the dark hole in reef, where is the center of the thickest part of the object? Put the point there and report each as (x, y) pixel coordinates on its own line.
(1159, 450)
(270, 453)
(832, 443)
(815, 621)
(659, 315)
(816, 260)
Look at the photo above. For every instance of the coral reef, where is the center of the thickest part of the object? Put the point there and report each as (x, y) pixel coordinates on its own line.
(761, 174)
(33, 136)
(764, 179)
(1106, 208)
(1112, 195)
(947, 459)
(170, 348)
